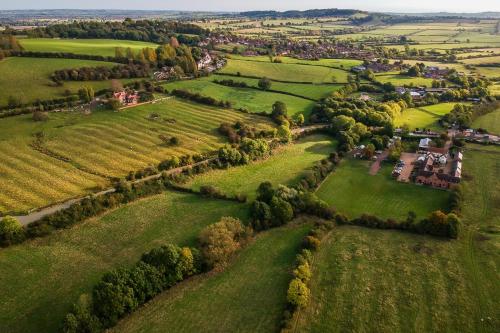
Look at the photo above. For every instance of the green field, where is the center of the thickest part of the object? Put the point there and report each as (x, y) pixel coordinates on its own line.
(490, 122)
(353, 191)
(314, 91)
(251, 99)
(424, 117)
(43, 277)
(248, 296)
(388, 281)
(400, 80)
(104, 143)
(334, 63)
(101, 47)
(32, 78)
(285, 72)
(286, 166)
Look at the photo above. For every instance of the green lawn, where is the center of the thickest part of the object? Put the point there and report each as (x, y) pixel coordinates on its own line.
(286, 166)
(353, 191)
(29, 78)
(369, 280)
(490, 122)
(251, 99)
(43, 277)
(424, 117)
(286, 72)
(314, 91)
(105, 143)
(248, 296)
(101, 47)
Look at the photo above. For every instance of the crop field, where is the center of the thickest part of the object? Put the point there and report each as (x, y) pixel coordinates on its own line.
(286, 72)
(353, 191)
(101, 47)
(248, 296)
(388, 281)
(400, 80)
(32, 78)
(490, 122)
(295, 159)
(251, 99)
(424, 117)
(103, 143)
(43, 277)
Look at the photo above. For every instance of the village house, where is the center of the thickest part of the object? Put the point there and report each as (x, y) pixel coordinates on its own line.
(127, 98)
(439, 169)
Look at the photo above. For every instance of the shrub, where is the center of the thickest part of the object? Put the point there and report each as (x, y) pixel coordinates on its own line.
(40, 116)
(298, 293)
(311, 243)
(303, 272)
(219, 241)
(11, 231)
(264, 83)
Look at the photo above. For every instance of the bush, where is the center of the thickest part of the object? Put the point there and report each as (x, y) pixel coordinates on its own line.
(11, 231)
(311, 243)
(40, 116)
(219, 241)
(298, 293)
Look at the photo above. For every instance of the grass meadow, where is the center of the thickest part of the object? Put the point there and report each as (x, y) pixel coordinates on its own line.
(285, 72)
(424, 117)
(353, 191)
(334, 63)
(100, 47)
(251, 99)
(286, 166)
(248, 296)
(41, 278)
(103, 143)
(490, 122)
(400, 80)
(389, 281)
(32, 78)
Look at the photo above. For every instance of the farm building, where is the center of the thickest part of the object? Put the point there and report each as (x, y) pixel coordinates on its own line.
(439, 170)
(127, 98)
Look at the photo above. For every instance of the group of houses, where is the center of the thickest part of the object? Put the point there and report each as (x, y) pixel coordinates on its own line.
(127, 97)
(472, 135)
(418, 93)
(208, 63)
(377, 66)
(431, 166)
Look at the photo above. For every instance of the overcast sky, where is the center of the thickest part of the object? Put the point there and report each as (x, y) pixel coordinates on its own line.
(242, 5)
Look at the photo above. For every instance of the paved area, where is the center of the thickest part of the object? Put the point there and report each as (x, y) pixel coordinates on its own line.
(408, 158)
(375, 167)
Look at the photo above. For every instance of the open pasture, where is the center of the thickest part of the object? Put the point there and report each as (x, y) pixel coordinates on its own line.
(490, 122)
(334, 63)
(285, 72)
(424, 117)
(295, 158)
(389, 281)
(400, 80)
(251, 99)
(100, 47)
(42, 278)
(106, 143)
(353, 191)
(313, 91)
(32, 78)
(248, 296)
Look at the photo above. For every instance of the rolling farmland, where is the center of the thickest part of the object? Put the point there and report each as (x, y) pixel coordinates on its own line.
(424, 117)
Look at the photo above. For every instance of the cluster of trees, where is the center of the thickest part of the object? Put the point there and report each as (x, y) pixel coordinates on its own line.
(436, 224)
(155, 31)
(9, 44)
(102, 73)
(11, 231)
(276, 207)
(463, 115)
(197, 97)
(298, 293)
(247, 151)
(231, 83)
(16, 106)
(121, 291)
(238, 131)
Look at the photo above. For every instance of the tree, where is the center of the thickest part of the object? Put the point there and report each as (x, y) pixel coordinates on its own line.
(265, 192)
(342, 123)
(369, 151)
(81, 318)
(114, 104)
(284, 133)
(298, 293)
(279, 111)
(299, 119)
(11, 231)
(303, 272)
(264, 83)
(281, 210)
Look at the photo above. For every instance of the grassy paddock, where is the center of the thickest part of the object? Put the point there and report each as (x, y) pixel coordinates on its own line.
(286, 72)
(286, 166)
(248, 296)
(353, 191)
(425, 116)
(43, 277)
(490, 122)
(389, 281)
(32, 78)
(101, 47)
(250, 99)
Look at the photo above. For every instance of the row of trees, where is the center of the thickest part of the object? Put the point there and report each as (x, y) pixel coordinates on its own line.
(463, 115)
(102, 73)
(238, 131)
(198, 98)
